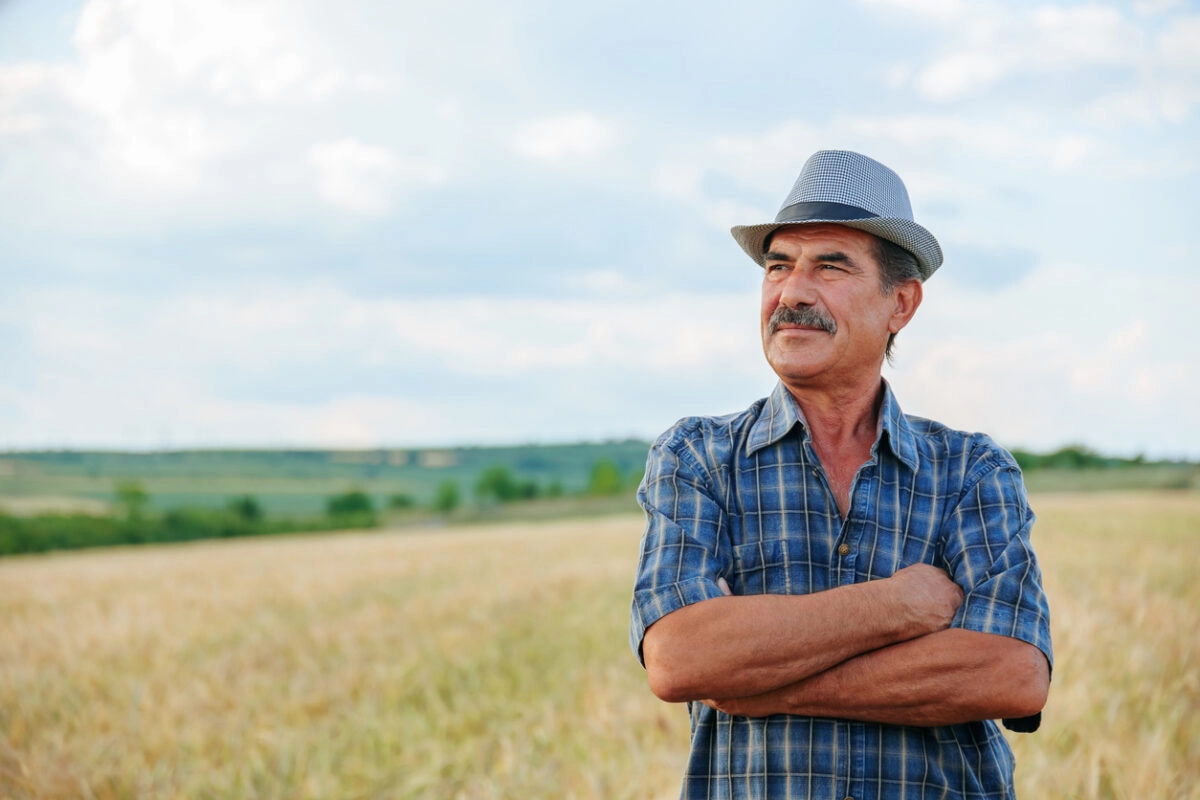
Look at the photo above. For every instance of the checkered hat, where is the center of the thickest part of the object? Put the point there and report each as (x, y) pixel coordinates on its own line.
(849, 189)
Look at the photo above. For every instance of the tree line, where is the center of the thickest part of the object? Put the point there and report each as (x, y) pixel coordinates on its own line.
(131, 520)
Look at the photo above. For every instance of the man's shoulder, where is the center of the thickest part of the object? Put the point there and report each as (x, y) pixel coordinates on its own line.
(971, 452)
(707, 433)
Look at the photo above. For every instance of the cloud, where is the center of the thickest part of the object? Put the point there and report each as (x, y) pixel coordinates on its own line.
(1055, 358)
(958, 74)
(1150, 60)
(196, 364)
(942, 11)
(237, 213)
(181, 101)
(159, 78)
(132, 50)
(361, 178)
(556, 139)
(1152, 7)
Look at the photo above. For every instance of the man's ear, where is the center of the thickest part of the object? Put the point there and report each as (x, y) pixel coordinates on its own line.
(907, 298)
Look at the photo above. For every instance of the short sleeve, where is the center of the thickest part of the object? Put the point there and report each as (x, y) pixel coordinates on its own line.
(989, 554)
(681, 559)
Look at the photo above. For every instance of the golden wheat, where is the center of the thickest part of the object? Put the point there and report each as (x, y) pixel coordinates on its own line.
(491, 662)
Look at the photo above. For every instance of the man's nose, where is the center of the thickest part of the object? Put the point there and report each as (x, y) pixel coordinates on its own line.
(798, 289)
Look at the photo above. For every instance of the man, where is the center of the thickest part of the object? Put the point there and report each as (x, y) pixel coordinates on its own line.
(844, 595)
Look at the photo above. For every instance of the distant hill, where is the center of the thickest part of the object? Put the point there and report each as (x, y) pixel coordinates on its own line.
(300, 481)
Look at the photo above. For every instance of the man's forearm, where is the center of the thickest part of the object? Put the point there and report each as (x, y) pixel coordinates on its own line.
(943, 678)
(740, 646)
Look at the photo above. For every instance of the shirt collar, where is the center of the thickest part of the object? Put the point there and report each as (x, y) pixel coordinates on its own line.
(781, 413)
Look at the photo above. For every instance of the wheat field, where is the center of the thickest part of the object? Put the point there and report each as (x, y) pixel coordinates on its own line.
(491, 662)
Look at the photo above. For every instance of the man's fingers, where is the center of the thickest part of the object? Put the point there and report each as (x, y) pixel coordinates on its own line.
(721, 582)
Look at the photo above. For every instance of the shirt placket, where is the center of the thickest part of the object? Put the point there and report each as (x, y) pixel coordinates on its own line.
(852, 736)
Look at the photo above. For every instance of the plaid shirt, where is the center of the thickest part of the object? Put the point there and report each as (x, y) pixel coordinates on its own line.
(744, 497)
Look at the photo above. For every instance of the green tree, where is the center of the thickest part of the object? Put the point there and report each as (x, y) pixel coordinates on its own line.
(497, 483)
(401, 502)
(446, 499)
(350, 504)
(605, 479)
(131, 498)
(245, 508)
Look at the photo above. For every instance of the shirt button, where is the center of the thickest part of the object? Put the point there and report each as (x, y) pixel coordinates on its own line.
(843, 549)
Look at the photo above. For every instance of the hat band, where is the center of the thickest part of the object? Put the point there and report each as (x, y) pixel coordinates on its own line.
(801, 212)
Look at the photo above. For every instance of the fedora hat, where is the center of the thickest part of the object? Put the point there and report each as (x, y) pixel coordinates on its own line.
(845, 188)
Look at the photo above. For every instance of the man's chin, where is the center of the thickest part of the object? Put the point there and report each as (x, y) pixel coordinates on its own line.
(793, 366)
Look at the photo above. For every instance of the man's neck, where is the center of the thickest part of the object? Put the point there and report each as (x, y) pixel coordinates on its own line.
(842, 424)
(843, 419)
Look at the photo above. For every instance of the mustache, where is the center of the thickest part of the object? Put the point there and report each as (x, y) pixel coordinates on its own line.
(808, 316)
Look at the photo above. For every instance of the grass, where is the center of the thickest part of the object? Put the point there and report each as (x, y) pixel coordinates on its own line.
(490, 662)
(1123, 719)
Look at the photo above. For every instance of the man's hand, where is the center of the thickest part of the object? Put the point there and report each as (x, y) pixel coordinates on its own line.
(925, 598)
(762, 705)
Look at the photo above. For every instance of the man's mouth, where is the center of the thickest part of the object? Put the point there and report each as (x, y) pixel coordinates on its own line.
(804, 318)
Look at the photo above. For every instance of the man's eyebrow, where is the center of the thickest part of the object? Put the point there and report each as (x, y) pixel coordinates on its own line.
(837, 257)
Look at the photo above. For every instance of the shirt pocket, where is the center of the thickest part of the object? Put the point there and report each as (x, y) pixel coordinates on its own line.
(774, 566)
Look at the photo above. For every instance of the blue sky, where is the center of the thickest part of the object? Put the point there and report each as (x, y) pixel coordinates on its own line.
(372, 224)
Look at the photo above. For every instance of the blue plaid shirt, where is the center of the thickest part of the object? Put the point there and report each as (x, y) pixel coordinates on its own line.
(744, 497)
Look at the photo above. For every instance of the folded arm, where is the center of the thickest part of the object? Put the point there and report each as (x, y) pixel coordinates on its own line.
(745, 646)
(944, 678)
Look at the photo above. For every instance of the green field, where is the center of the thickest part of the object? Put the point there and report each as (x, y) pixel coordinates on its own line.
(292, 482)
(491, 662)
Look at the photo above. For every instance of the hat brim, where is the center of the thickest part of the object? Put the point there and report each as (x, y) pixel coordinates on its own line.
(902, 232)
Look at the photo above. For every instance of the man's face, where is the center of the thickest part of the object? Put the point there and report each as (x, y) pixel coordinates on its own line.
(825, 321)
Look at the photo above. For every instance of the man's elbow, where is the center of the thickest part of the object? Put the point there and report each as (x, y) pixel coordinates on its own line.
(668, 682)
(667, 685)
(1028, 682)
(669, 670)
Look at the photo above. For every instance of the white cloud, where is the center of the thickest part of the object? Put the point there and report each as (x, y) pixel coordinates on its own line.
(1152, 7)
(19, 85)
(758, 159)
(361, 178)
(1179, 45)
(1059, 358)
(130, 49)
(156, 77)
(177, 127)
(1071, 150)
(168, 365)
(162, 95)
(988, 43)
(957, 74)
(578, 135)
(944, 11)
(1082, 35)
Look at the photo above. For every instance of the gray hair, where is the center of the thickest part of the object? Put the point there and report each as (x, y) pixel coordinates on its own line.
(896, 266)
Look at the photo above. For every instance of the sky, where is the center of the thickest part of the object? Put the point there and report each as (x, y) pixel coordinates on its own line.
(289, 223)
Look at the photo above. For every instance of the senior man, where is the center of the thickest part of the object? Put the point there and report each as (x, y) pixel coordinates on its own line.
(845, 595)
